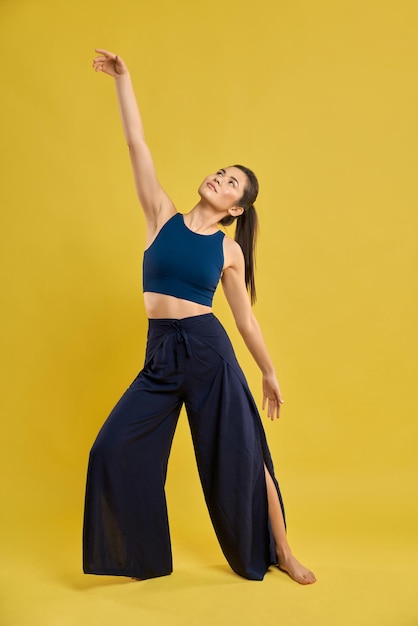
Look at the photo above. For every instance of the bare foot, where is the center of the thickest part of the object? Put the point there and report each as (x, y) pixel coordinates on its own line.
(296, 570)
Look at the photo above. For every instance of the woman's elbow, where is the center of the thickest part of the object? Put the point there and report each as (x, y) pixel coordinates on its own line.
(245, 324)
(134, 143)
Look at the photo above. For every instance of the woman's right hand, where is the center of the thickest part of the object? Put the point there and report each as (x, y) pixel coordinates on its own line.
(109, 63)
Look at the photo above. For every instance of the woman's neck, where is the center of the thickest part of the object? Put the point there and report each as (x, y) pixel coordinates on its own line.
(202, 219)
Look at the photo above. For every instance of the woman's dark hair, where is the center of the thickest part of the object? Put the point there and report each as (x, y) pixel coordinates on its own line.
(246, 228)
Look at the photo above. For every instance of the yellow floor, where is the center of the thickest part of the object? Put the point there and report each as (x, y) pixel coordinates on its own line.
(366, 585)
(363, 549)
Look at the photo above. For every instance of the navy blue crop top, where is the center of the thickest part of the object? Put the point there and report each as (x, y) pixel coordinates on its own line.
(182, 263)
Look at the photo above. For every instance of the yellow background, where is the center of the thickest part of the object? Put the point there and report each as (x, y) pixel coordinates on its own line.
(320, 99)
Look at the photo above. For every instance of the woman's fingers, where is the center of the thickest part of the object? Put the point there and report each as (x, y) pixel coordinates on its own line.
(272, 397)
(105, 53)
(273, 406)
(105, 57)
(109, 63)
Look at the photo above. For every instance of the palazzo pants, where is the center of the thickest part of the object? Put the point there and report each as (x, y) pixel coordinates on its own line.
(188, 361)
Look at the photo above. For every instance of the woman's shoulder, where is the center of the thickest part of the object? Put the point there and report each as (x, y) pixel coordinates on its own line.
(153, 228)
(165, 216)
(231, 245)
(232, 252)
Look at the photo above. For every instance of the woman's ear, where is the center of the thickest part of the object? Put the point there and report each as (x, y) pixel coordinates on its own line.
(236, 211)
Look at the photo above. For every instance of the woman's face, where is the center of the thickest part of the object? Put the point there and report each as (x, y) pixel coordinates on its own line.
(224, 189)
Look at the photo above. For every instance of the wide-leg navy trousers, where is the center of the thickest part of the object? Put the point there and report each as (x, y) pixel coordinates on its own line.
(189, 361)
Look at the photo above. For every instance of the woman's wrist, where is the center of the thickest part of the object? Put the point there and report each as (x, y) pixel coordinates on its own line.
(125, 75)
(268, 372)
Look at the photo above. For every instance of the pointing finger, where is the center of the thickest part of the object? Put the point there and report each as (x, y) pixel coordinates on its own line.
(106, 53)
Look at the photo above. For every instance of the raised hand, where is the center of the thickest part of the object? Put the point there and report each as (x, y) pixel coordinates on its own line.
(109, 63)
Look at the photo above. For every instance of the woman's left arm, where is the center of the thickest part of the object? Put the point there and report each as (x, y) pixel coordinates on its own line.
(233, 283)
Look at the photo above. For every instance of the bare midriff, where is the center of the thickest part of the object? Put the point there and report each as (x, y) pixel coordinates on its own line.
(160, 306)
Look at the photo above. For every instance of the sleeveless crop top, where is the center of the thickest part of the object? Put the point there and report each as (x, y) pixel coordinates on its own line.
(182, 263)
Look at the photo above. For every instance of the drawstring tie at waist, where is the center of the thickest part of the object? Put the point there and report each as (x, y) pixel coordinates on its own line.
(182, 337)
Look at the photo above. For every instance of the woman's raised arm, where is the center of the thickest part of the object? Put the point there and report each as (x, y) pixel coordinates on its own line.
(155, 202)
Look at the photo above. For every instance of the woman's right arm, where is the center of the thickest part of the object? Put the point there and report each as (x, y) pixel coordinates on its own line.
(156, 204)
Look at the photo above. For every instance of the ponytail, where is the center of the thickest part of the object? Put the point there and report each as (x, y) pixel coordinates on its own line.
(246, 229)
(246, 235)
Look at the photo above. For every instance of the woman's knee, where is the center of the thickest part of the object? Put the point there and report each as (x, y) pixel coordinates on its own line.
(106, 446)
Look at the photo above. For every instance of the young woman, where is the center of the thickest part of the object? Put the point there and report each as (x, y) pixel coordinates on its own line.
(189, 360)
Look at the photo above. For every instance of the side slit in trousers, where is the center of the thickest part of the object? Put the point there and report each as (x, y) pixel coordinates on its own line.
(126, 533)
